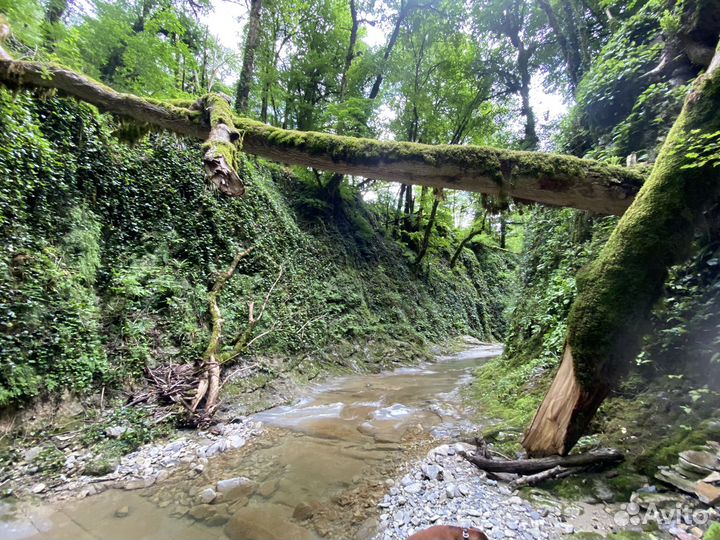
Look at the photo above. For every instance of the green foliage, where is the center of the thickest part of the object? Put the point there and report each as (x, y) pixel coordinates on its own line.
(617, 107)
(713, 531)
(103, 275)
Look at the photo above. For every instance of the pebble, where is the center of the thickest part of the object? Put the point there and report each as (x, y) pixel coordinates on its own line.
(207, 495)
(460, 496)
(140, 469)
(122, 512)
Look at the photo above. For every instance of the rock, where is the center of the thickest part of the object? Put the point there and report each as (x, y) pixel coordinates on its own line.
(415, 487)
(139, 483)
(216, 448)
(267, 488)
(122, 512)
(207, 495)
(202, 511)
(265, 522)
(707, 493)
(236, 488)
(514, 500)
(236, 441)
(39, 488)
(660, 500)
(712, 478)
(464, 489)
(115, 432)
(31, 453)
(303, 511)
(699, 461)
(602, 492)
(451, 491)
(432, 472)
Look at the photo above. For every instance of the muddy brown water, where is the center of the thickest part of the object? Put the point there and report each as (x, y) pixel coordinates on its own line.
(318, 469)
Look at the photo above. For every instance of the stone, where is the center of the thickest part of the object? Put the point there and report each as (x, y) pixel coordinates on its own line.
(712, 478)
(202, 511)
(265, 522)
(206, 496)
(415, 487)
(702, 462)
(236, 441)
(115, 432)
(123, 511)
(303, 511)
(267, 488)
(451, 491)
(707, 493)
(432, 472)
(31, 453)
(216, 448)
(602, 492)
(39, 488)
(236, 488)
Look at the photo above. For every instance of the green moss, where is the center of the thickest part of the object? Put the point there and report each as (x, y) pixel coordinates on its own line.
(655, 232)
(665, 452)
(713, 531)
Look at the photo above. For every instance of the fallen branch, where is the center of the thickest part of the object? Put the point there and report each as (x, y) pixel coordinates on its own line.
(549, 474)
(604, 457)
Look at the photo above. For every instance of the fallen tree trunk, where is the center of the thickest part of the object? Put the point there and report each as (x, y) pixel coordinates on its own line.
(604, 457)
(531, 176)
(618, 289)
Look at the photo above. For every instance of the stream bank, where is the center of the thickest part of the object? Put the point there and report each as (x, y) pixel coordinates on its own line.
(359, 456)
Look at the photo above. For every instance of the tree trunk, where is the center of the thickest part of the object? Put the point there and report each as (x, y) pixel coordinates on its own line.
(220, 159)
(248, 67)
(545, 178)
(351, 50)
(405, 10)
(530, 140)
(617, 291)
(463, 243)
(428, 231)
(572, 59)
(503, 230)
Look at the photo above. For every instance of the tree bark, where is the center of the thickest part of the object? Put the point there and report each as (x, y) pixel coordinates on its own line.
(351, 50)
(605, 456)
(428, 230)
(572, 59)
(463, 243)
(617, 291)
(220, 159)
(545, 178)
(248, 67)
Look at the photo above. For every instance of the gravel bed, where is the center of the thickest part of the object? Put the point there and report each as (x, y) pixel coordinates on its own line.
(444, 489)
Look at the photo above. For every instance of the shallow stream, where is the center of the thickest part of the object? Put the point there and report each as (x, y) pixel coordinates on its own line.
(318, 470)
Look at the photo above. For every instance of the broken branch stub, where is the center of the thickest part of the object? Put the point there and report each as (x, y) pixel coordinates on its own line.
(222, 147)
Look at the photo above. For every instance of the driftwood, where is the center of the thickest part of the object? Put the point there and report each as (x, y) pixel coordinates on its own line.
(529, 472)
(602, 457)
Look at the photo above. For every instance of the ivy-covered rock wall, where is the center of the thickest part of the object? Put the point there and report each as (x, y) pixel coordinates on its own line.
(109, 250)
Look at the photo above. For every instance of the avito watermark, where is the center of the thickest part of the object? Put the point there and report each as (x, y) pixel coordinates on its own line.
(632, 514)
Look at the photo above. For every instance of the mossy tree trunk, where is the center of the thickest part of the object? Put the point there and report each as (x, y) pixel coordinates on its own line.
(618, 289)
(529, 176)
(248, 66)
